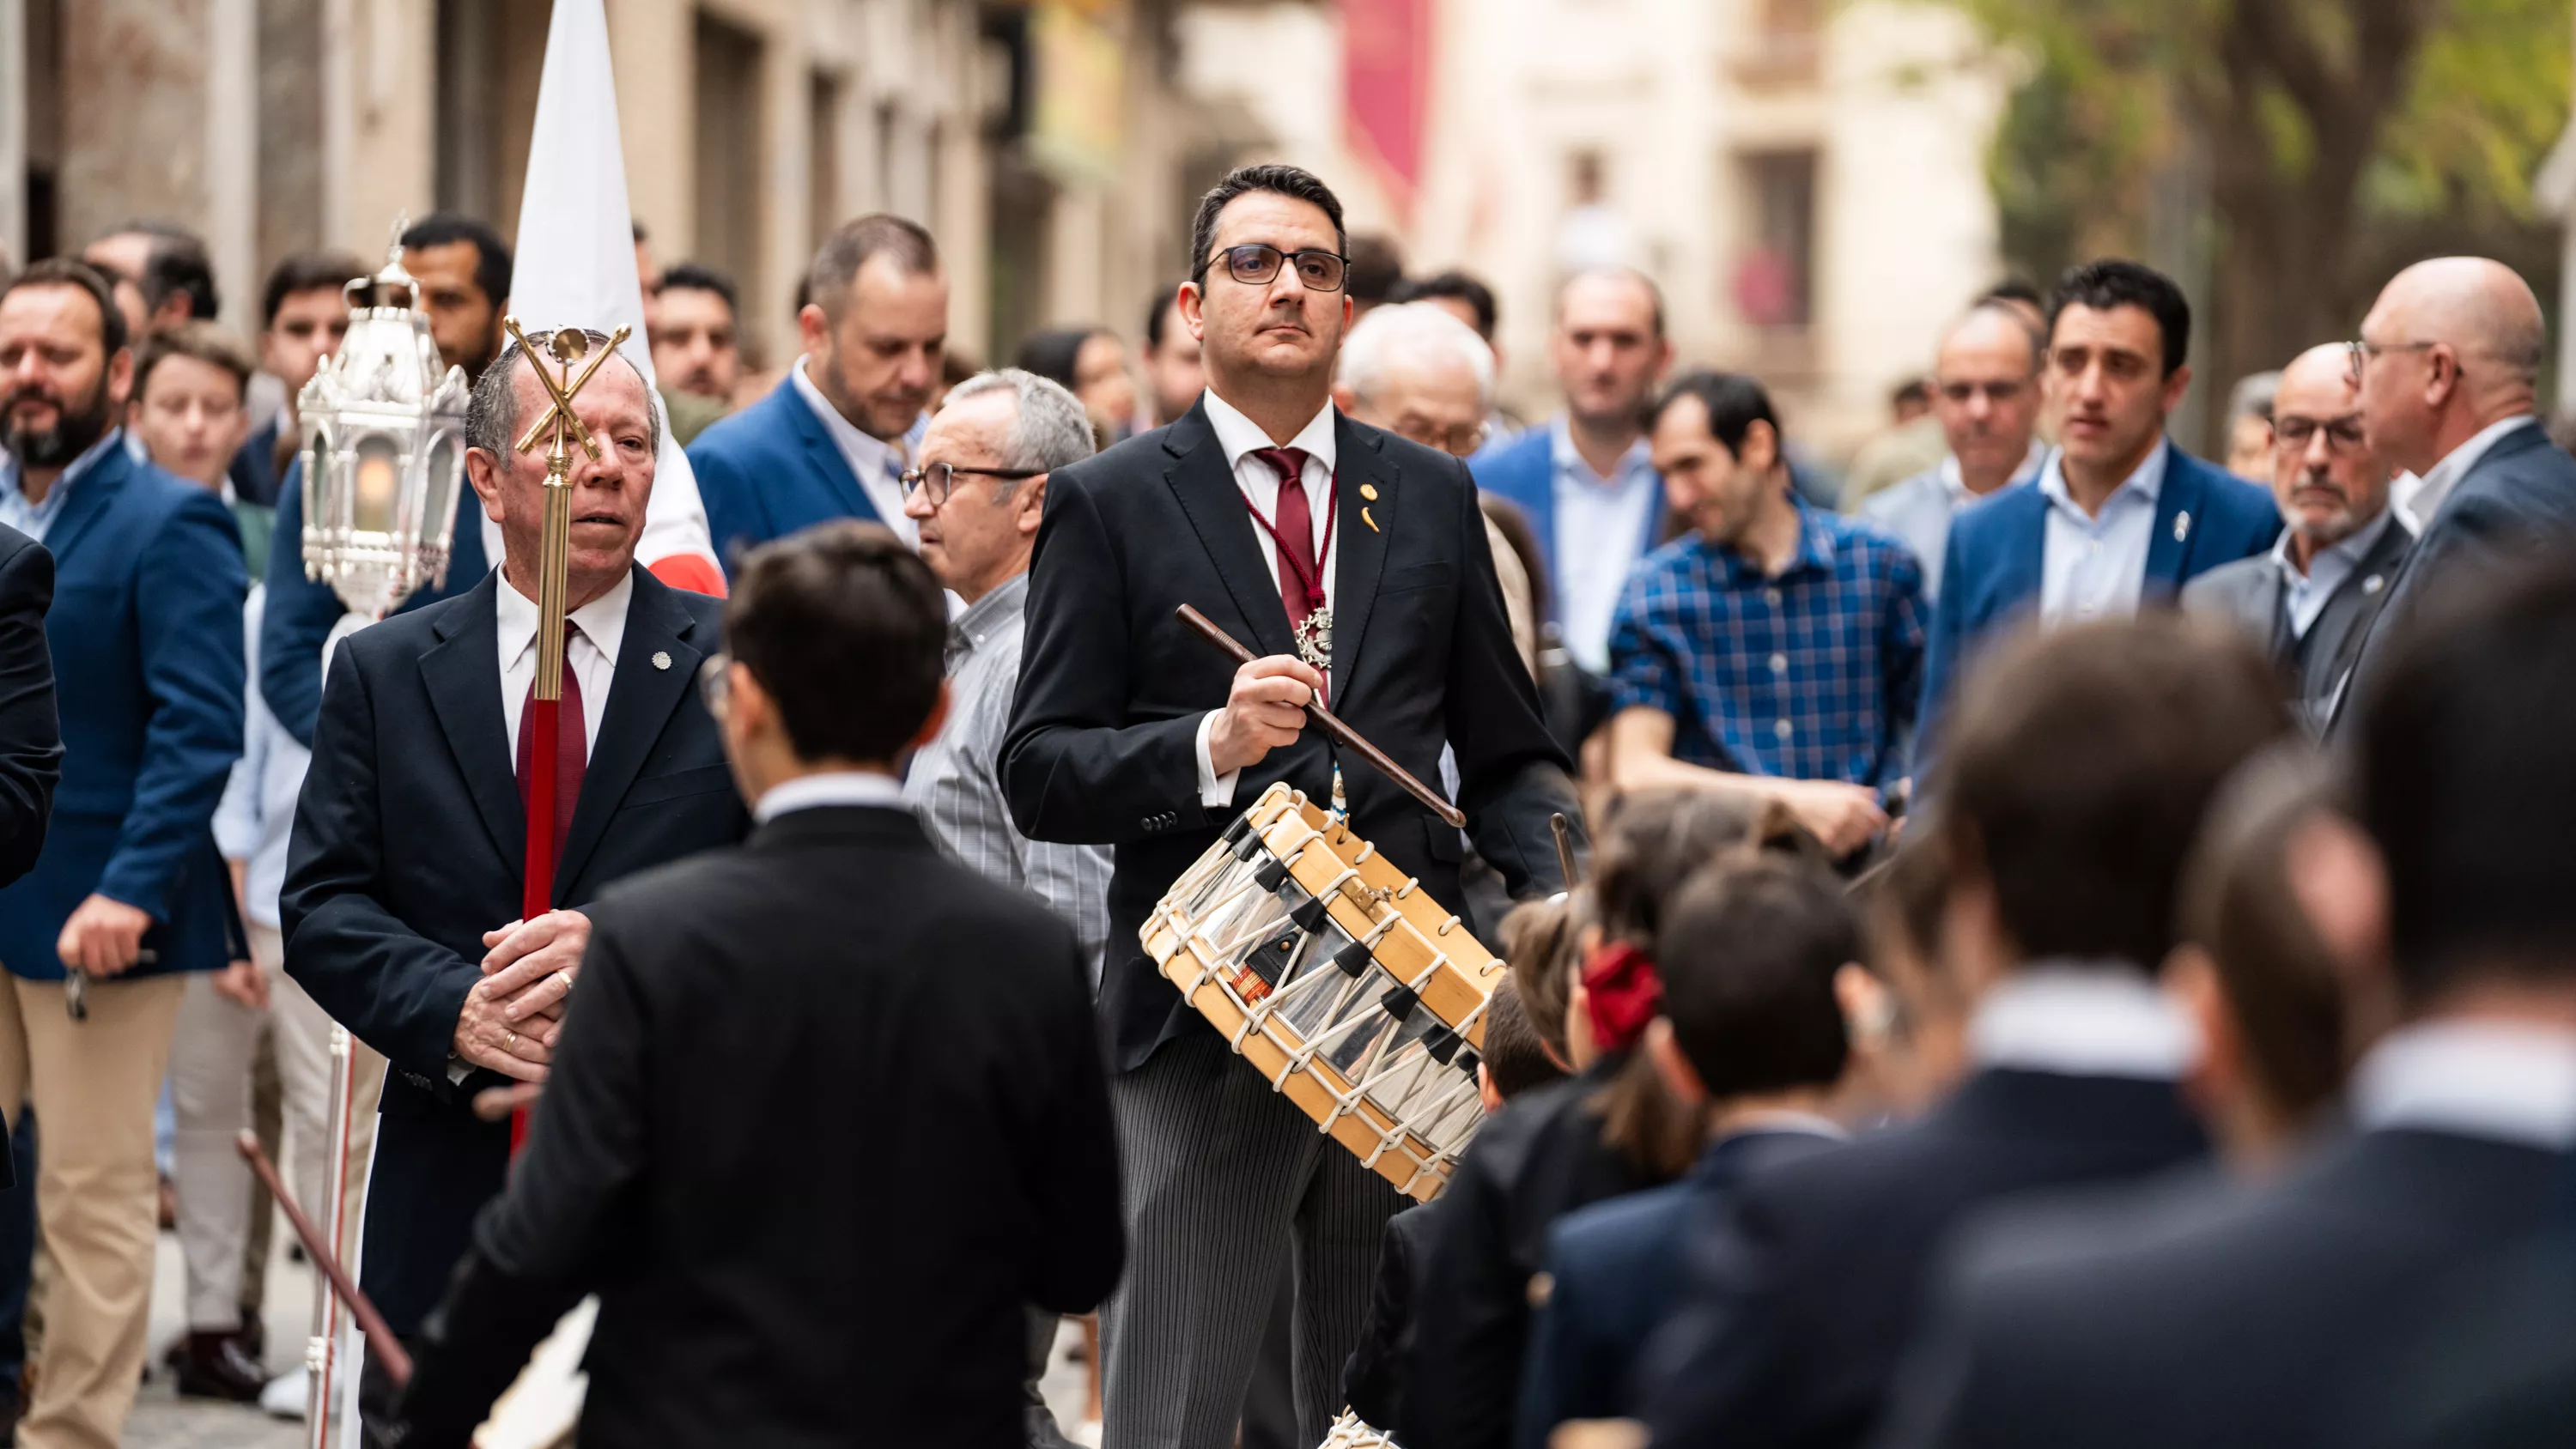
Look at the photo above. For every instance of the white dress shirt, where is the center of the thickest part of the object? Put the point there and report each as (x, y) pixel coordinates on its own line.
(2083, 1019)
(2426, 498)
(591, 654)
(2304, 595)
(877, 463)
(2500, 1080)
(1601, 528)
(830, 787)
(2095, 567)
(1241, 437)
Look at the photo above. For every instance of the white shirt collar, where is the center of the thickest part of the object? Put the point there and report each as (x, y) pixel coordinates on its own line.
(602, 621)
(2331, 563)
(831, 787)
(1955, 483)
(2441, 478)
(2505, 1081)
(2083, 1019)
(1239, 435)
(1633, 464)
(860, 446)
(2143, 485)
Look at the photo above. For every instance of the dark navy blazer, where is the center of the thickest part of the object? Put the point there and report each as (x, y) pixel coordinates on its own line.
(771, 469)
(1523, 473)
(300, 613)
(409, 844)
(1990, 573)
(1611, 1281)
(146, 636)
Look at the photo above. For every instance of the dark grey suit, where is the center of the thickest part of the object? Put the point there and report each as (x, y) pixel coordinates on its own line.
(2249, 593)
(2517, 502)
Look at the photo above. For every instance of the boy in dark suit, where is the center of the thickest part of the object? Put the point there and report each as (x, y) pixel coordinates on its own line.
(2082, 763)
(831, 1112)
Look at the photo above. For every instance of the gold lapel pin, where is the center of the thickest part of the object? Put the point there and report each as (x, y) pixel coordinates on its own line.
(1371, 522)
(1369, 492)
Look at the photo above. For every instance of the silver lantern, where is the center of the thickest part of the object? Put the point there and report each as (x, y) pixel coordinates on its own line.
(384, 450)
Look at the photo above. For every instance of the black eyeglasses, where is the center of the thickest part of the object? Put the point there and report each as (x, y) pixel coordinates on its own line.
(941, 478)
(1255, 263)
(2343, 434)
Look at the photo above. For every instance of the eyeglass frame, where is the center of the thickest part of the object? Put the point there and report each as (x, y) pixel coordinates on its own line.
(2360, 350)
(917, 477)
(2344, 434)
(1279, 259)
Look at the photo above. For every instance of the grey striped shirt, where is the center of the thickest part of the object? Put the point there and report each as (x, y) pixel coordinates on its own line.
(955, 787)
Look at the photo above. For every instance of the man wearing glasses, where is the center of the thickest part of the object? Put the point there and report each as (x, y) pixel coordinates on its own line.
(1985, 391)
(2447, 367)
(1355, 564)
(2310, 601)
(2120, 517)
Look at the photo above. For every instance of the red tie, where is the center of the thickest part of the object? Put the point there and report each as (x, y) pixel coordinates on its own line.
(571, 741)
(1301, 583)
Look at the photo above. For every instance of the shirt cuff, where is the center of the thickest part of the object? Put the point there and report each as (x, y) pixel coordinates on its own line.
(458, 1069)
(1216, 792)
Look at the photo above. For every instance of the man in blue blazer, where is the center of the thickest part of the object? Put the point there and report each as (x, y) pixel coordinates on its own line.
(1587, 479)
(128, 891)
(2119, 517)
(834, 439)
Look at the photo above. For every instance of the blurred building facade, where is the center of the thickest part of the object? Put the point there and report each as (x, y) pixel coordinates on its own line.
(1805, 178)
(1039, 139)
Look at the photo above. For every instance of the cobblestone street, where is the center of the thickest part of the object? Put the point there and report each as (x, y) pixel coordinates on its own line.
(163, 1420)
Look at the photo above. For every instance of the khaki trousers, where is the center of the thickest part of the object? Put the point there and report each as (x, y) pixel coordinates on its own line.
(93, 1084)
(210, 1087)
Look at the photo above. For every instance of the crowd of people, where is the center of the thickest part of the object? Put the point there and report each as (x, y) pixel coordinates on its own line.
(2067, 952)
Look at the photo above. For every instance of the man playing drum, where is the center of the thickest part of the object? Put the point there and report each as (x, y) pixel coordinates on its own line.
(1356, 564)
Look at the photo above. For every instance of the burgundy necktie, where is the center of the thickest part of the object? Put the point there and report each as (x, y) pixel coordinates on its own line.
(571, 744)
(1301, 583)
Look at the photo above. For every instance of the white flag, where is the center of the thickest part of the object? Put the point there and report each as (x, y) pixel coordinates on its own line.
(576, 266)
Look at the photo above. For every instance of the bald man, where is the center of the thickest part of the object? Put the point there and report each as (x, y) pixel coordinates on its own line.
(1985, 391)
(2448, 366)
(2311, 600)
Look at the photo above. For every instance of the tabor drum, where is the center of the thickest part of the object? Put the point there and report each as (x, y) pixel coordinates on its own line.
(1339, 979)
(1349, 1432)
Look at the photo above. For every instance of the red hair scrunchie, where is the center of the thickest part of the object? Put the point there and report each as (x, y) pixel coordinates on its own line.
(1625, 993)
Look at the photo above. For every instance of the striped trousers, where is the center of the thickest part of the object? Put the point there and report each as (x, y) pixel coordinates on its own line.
(1226, 1185)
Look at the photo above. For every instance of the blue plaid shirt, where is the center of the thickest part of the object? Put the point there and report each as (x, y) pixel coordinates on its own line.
(1811, 675)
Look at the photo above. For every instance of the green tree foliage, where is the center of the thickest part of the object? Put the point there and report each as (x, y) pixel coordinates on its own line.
(2314, 146)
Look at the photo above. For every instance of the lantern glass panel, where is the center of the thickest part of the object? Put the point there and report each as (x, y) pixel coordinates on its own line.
(376, 502)
(440, 484)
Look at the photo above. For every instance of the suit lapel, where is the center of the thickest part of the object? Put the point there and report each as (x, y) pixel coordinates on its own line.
(463, 675)
(2178, 521)
(2024, 569)
(826, 454)
(1361, 546)
(657, 666)
(2357, 600)
(91, 493)
(1205, 486)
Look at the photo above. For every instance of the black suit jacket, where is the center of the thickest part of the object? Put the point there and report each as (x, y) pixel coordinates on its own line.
(1798, 1307)
(1373, 1380)
(409, 844)
(2517, 504)
(830, 1113)
(1538, 1159)
(1103, 741)
(2280, 1317)
(31, 743)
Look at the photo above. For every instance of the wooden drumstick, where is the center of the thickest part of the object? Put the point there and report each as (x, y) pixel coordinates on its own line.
(381, 1342)
(1332, 725)
(1565, 850)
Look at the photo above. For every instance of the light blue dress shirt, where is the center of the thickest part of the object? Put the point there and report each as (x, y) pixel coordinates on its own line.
(2096, 567)
(1600, 534)
(32, 519)
(2304, 595)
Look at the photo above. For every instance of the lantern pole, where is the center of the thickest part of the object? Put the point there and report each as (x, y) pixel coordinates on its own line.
(542, 729)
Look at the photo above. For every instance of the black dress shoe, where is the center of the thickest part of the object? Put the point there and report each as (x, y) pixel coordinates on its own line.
(216, 1366)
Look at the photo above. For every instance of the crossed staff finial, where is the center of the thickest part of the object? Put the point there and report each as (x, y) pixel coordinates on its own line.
(566, 345)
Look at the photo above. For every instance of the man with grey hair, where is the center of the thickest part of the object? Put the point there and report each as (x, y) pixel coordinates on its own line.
(401, 909)
(834, 439)
(976, 499)
(2448, 367)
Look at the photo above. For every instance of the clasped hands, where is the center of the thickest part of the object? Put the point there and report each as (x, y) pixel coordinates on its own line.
(514, 1015)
